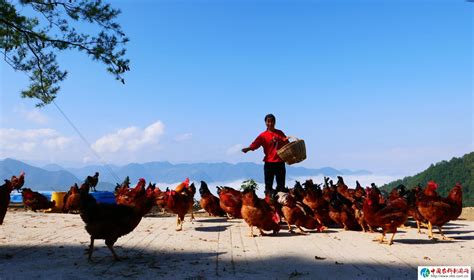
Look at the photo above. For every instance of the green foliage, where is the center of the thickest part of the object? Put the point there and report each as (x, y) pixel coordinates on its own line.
(29, 43)
(446, 174)
(249, 185)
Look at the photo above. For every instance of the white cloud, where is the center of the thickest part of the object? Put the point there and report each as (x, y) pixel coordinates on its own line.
(183, 137)
(31, 143)
(33, 115)
(130, 139)
(234, 149)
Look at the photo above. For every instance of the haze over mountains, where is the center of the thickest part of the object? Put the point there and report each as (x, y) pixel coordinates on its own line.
(56, 177)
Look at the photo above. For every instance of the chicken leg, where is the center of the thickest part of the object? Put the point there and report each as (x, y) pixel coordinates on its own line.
(300, 230)
(391, 239)
(442, 234)
(381, 239)
(110, 245)
(430, 231)
(290, 230)
(251, 232)
(179, 223)
(91, 249)
(418, 226)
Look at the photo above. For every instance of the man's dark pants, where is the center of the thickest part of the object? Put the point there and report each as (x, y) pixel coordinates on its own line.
(271, 170)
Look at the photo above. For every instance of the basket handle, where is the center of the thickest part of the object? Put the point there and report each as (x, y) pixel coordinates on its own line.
(293, 137)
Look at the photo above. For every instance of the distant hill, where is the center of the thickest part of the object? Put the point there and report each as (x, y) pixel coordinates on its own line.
(446, 174)
(166, 172)
(53, 176)
(37, 178)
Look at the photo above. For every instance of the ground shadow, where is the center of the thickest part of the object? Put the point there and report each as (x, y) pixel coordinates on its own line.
(139, 263)
(423, 241)
(212, 220)
(212, 228)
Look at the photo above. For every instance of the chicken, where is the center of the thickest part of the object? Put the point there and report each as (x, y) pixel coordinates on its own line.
(230, 201)
(5, 191)
(298, 214)
(72, 200)
(181, 202)
(110, 221)
(92, 180)
(359, 191)
(297, 191)
(272, 200)
(388, 216)
(438, 211)
(35, 200)
(399, 191)
(341, 212)
(180, 187)
(413, 209)
(18, 182)
(127, 196)
(161, 197)
(359, 215)
(344, 190)
(210, 202)
(357, 205)
(257, 213)
(314, 199)
(125, 185)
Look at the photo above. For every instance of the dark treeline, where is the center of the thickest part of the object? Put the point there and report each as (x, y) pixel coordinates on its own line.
(446, 174)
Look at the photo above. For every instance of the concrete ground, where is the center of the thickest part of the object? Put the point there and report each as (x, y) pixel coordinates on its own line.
(40, 245)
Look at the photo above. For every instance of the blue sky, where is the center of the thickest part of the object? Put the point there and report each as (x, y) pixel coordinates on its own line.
(379, 85)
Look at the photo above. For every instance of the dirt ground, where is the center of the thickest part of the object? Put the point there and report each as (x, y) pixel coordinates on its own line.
(51, 245)
(467, 214)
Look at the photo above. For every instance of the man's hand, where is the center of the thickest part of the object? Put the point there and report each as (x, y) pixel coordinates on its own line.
(245, 150)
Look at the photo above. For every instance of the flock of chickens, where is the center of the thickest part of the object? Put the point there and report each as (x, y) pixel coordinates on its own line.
(305, 206)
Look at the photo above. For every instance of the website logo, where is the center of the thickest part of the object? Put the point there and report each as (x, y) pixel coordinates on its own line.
(425, 272)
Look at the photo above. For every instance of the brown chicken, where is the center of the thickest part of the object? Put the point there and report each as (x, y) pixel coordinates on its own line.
(298, 214)
(72, 200)
(438, 211)
(357, 205)
(413, 211)
(210, 202)
(35, 200)
(297, 191)
(256, 212)
(230, 201)
(341, 211)
(110, 221)
(344, 190)
(18, 182)
(181, 202)
(314, 199)
(387, 216)
(127, 196)
(5, 191)
(161, 198)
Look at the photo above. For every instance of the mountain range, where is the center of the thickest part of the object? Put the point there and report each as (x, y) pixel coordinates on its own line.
(56, 177)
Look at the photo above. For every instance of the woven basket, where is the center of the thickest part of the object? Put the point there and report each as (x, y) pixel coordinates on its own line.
(293, 152)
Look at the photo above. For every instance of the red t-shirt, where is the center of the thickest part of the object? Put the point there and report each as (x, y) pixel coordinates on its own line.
(271, 142)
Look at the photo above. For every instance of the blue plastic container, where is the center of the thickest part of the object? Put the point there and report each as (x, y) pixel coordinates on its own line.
(104, 197)
(100, 196)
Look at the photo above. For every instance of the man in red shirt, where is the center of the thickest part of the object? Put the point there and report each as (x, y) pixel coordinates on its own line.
(271, 140)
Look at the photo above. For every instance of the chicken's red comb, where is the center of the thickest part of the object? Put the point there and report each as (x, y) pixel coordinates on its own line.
(432, 185)
(186, 182)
